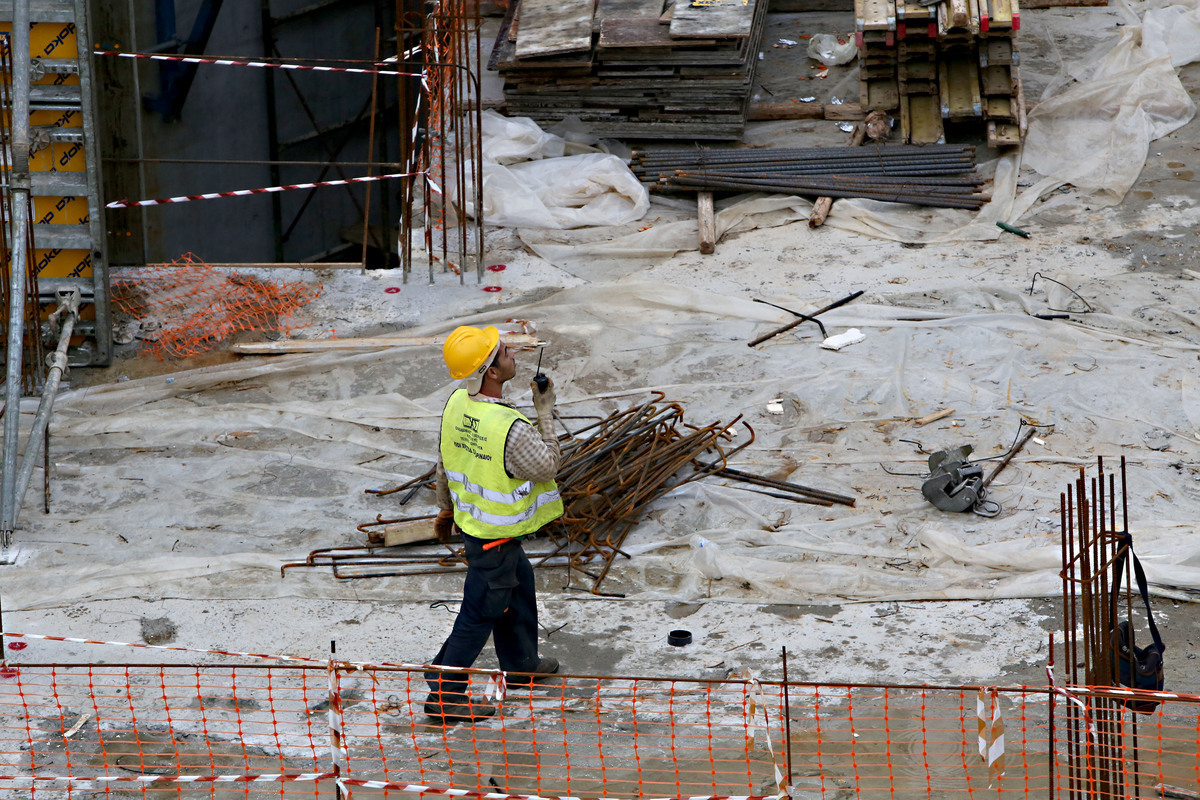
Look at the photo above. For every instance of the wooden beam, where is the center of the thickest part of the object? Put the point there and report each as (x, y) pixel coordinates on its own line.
(402, 533)
(524, 341)
(708, 222)
(934, 417)
(768, 111)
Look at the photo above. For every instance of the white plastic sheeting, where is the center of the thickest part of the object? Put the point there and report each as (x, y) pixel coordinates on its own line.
(528, 181)
(1095, 133)
(204, 482)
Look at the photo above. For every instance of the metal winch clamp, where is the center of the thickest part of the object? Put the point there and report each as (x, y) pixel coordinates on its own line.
(954, 483)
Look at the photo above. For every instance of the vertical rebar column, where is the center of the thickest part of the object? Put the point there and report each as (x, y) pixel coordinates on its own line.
(1090, 549)
(19, 194)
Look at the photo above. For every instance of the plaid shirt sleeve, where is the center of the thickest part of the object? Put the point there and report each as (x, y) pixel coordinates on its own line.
(531, 453)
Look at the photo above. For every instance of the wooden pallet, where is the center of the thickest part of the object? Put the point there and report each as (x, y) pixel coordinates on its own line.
(551, 27)
(642, 76)
(707, 19)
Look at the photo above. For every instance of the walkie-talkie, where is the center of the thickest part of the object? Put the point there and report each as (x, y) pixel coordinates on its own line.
(541, 380)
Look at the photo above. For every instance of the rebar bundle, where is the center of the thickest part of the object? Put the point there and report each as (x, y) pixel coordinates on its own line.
(934, 175)
(440, 124)
(1092, 541)
(610, 471)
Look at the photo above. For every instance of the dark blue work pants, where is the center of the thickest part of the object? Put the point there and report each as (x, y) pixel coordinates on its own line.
(499, 600)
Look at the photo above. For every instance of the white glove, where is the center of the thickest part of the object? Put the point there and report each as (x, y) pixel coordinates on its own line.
(544, 401)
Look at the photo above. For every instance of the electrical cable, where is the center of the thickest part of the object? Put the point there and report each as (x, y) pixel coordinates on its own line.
(1037, 275)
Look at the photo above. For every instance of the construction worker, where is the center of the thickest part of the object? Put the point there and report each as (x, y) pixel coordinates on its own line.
(495, 484)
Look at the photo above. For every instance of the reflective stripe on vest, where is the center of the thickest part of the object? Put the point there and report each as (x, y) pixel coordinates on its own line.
(488, 503)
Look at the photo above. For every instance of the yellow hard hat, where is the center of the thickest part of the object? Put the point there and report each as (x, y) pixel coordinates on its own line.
(468, 351)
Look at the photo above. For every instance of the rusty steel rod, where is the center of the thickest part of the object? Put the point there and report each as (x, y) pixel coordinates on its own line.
(628, 459)
(797, 322)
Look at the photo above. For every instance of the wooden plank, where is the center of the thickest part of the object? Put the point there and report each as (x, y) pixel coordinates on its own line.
(805, 6)
(523, 341)
(1000, 108)
(707, 222)
(1003, 134)
(878, 15)
(997, 80)
(715, 19)
(924, 124)
(1022, 121)
(642, 32)
(401, 533)
(628, 9)
(843, 112)
(550, 27)
(1062, 3)
(996, 50)
(502, 42)
(934, 417)
(880, 93)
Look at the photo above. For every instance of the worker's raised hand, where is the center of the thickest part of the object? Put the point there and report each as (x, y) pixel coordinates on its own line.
(543, 398)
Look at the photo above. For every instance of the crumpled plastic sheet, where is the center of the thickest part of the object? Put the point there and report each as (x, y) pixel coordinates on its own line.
(594, 256)
(529, 181)
(1095, 134)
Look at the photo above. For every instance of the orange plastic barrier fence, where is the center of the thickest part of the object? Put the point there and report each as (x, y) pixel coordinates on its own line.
(305, 731)
(187, 307)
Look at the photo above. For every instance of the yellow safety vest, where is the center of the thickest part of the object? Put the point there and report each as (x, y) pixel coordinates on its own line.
(488, 504)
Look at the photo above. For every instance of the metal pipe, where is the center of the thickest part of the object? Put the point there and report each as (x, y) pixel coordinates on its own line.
(848, 181)
(909, 167)
(19, 195)
(710, 156)
(787, 720)
(924, 199)
(847, 157)
(965, 172)
(833, 182)
(68, 304)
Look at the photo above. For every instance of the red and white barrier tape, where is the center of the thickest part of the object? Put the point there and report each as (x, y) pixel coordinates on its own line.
(337, 745)
(358, 666)
(44, 637)
(405, 788)
(230, 62)
(408, 788)
(266, 190)
(302, 777)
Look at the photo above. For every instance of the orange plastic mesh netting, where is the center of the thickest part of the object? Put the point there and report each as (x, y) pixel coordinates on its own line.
(188, 307)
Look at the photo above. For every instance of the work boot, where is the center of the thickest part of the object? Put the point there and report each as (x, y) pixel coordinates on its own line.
(546, 667)
(456, 708)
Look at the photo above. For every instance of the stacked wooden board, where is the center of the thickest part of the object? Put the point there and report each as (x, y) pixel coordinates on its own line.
(946, 61)
(648, 69)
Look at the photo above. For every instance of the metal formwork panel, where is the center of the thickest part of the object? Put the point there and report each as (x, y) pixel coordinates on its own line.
(68, 210)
